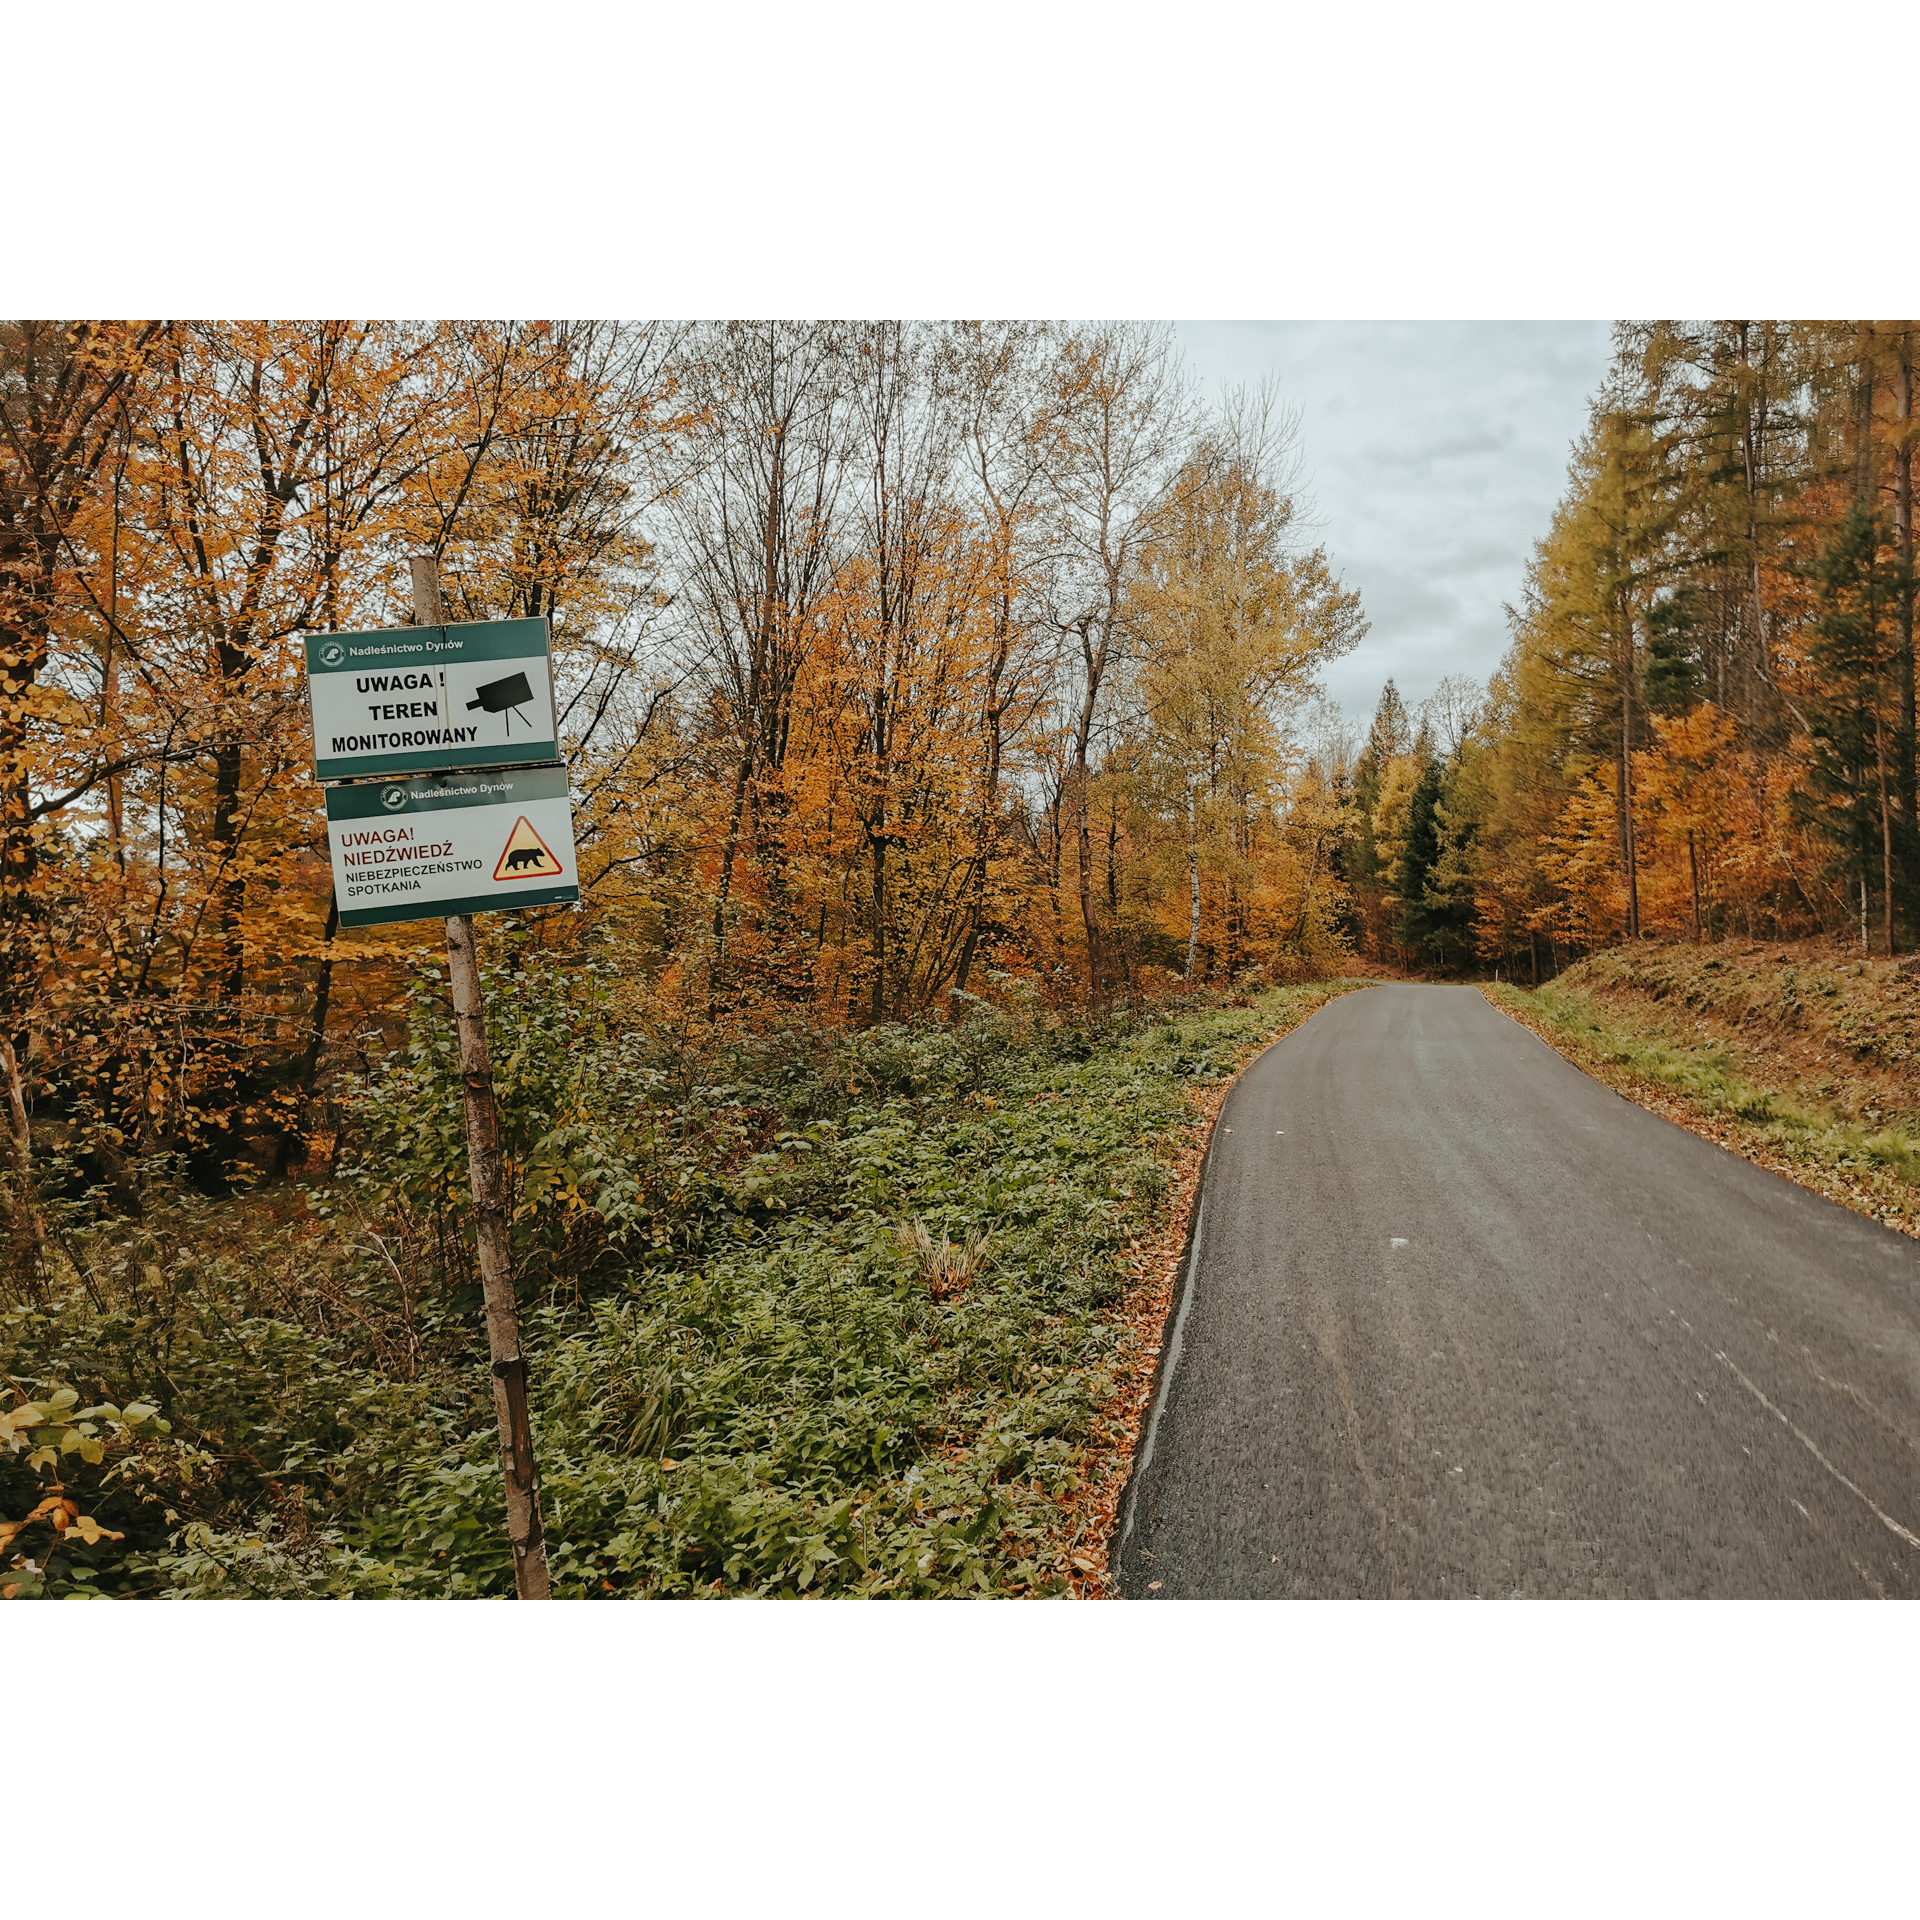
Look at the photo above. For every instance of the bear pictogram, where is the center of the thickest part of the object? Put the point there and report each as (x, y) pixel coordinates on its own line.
(526, 855)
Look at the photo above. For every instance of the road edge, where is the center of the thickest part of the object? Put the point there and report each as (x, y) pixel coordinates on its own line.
(1146, 1406)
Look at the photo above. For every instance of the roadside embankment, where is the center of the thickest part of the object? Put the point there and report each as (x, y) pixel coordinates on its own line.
(1801, 1056)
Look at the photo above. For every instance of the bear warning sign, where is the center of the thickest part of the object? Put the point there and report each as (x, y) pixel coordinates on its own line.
(526, 856)
(484, 842)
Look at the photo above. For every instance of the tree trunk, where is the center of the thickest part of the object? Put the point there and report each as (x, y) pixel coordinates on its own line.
(29, 1235)
(730, 850)
(1758, 667)
(1863, 419)
(62, 416)
(1094, 662)
(1083, 856)
(1627, 851)
(1113, 844)
(487, 1172)
(985, 835)
(877, 947)
(293, 1140)
(1903, 541)
(1056, 857)
(1886, 830)
(1193, 887)
(752, 723)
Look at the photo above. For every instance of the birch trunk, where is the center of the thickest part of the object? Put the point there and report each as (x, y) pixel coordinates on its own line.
(487, 1174)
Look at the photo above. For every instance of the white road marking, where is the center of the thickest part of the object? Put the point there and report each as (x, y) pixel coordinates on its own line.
(1886, 1519)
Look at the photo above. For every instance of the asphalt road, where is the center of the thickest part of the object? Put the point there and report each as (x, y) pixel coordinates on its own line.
(1461, 1321)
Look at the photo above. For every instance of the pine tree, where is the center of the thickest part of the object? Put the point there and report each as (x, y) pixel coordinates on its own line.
(1419, 849)
(1390, 735)
(1860, 579)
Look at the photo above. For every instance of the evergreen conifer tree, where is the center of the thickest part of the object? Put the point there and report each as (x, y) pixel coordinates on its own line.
(1860, 578)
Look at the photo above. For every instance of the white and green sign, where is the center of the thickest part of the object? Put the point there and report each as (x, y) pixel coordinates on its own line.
(420, 699)
(453, 843)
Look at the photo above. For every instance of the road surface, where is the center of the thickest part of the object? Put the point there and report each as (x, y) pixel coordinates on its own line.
(1461, 1321)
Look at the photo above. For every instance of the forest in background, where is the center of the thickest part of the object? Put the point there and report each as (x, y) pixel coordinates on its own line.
(898, 663)
(1704, 726)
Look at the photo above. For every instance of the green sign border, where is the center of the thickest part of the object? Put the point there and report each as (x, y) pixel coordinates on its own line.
(411, 646)
(443, 909)
(427, 795)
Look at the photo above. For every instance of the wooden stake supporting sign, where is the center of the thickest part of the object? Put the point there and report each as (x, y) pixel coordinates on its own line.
(488, 1173)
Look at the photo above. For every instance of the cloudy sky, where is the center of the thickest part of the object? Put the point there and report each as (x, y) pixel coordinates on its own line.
(1434, 452)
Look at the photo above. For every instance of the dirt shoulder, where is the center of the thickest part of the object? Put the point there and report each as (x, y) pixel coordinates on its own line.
(1803, 1057)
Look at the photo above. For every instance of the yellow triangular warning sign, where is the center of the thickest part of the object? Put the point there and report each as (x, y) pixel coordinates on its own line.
(526, 856)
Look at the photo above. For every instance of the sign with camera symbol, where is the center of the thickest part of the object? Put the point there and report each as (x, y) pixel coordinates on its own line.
(423, 699)
(452, 843)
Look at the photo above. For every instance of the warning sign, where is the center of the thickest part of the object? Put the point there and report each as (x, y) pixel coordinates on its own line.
(432, 699)
(526, 856)
(452, 843)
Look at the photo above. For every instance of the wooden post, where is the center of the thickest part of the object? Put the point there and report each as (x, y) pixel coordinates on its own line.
(488, 1172)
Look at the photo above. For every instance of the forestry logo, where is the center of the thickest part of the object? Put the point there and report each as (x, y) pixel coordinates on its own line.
(394, 797)
(526, 856)
(332, 654)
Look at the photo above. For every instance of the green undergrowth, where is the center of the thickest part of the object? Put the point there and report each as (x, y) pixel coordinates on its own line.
(1641, 1046)
(805, 1314)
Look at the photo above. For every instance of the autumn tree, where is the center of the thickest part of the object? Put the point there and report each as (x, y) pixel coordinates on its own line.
(1720, 589)
(994, 376)
(759, 523)
(1234, 616)
(1119, 414)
